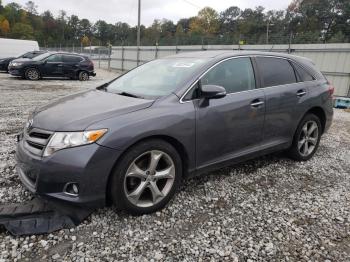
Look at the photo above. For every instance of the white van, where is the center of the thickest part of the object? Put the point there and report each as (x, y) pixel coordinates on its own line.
(15, 47)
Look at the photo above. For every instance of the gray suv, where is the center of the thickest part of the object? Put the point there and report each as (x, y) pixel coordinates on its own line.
(131, 141)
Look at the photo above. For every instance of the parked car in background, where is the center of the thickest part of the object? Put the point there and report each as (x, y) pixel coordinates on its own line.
(134, 139)
(53, 64)
(4, 62)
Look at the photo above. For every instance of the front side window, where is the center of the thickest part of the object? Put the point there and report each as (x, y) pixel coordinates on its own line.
(235, 75)
(54, 58)
(275, 71)
(156, 78)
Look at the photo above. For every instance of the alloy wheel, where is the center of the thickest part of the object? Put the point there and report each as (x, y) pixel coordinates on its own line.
(32, 74)
(308, 138)
(149, 178)
(84, 76)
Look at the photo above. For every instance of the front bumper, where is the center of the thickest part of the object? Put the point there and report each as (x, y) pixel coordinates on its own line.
(15, 71)
(88, 166)
(3, 66)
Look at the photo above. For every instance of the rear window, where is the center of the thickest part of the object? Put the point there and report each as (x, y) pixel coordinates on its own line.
(302, 74)
(275, 71)
(72, 59)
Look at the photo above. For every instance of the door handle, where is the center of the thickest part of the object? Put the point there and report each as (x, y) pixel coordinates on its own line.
(256, 103)
(59, 65)
(301, 93)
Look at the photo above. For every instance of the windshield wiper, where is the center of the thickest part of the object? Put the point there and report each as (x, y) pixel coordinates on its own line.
(129, 94)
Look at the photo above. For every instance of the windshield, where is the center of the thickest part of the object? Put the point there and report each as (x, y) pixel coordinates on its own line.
(30, 55)
(41, 57)
(156, 78)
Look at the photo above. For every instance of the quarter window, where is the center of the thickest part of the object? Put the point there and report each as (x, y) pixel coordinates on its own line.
(275, 71)
(234, 75)
(302, 74)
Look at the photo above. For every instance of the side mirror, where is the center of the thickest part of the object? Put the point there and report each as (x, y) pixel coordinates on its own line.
(212, 91)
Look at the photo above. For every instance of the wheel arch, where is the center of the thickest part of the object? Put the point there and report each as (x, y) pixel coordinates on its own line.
(320, 113)
(179, 147)
(32, 67)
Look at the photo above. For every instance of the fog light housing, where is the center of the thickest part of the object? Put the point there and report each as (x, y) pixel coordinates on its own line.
(71, 189)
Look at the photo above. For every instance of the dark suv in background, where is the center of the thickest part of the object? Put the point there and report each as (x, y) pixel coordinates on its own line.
(134, 139)
(51, 64)
(4, 62)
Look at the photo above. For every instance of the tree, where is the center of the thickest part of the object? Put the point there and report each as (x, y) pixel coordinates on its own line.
(304, 21)
(73, 28)
(121, 32)
(12, 12)
(206, 22)
(5, 27)
(229, 19)
(85, 41)
(85, 27)
(31, 7)
(22, 31)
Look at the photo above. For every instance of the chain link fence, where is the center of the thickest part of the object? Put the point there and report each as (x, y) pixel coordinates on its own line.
(331, 59)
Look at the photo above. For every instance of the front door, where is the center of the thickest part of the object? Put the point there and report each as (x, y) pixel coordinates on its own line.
(231, 126)
(53, 65)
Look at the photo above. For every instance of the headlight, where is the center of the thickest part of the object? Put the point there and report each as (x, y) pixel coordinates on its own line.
(61, 140)
(16, 64)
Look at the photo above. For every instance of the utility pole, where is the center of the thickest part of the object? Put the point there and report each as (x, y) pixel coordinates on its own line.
(267, 31)
(138, 31)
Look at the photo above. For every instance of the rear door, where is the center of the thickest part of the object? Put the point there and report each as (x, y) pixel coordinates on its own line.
(53, 65)
(286, 99)
(71, 64)
(231, 126)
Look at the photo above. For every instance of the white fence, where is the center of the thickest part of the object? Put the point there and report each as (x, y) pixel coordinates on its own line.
(332, 59)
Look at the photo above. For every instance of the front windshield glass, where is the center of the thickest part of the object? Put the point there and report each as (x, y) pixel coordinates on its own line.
(30, 55)
(41, 57)
(156, 78)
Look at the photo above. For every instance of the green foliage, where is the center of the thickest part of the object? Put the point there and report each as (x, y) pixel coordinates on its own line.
(22, 31)
(304, 21)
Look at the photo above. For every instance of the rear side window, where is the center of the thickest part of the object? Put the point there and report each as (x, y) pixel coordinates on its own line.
(235, 75)
(72, 59)
(302, 74)
(275, 71)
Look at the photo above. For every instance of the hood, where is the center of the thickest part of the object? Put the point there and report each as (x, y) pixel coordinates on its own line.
(77, 112)
(22, 60)
(6, 59)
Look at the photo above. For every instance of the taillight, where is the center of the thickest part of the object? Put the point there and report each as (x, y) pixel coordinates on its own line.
(331, 89)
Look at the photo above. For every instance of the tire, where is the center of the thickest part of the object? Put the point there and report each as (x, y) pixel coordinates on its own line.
(83, 76)
(306, 138)
(136, 192)
(32, 74)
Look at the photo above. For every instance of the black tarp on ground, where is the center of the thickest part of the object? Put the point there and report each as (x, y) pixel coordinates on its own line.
(40, 216)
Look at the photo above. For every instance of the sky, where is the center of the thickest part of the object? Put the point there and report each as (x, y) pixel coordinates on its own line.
(113, 11)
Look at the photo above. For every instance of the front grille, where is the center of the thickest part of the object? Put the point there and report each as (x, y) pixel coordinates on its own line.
(39, 135)
(35, 140)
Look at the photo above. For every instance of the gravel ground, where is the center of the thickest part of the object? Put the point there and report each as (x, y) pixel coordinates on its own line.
(268, 209)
